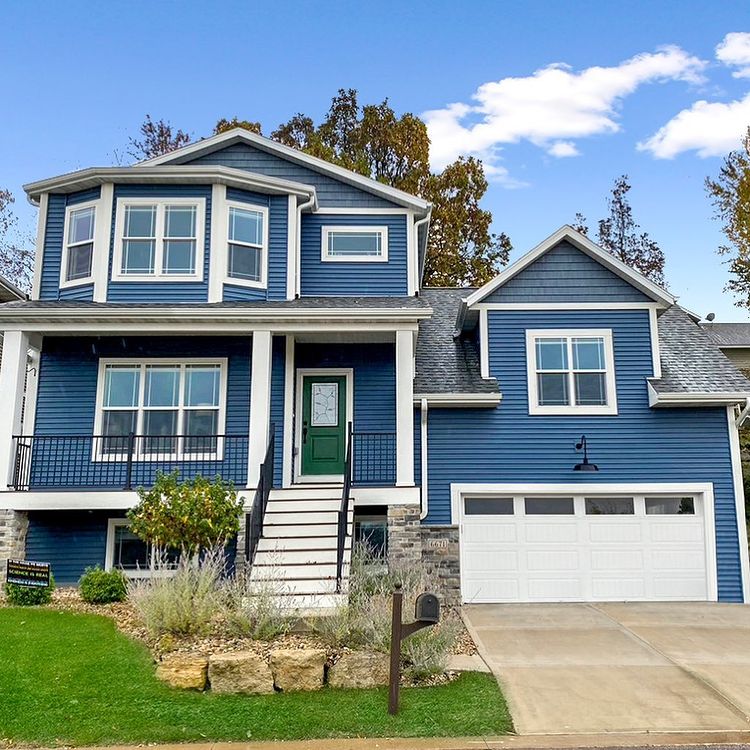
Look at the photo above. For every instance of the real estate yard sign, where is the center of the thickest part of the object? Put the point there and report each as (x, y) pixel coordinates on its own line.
(27, 573)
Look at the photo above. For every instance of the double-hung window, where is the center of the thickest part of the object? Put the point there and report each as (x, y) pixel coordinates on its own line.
(171, 408)
(354, 244)
(159, 240)
(247, 245)
(78, 245)
(571, 372)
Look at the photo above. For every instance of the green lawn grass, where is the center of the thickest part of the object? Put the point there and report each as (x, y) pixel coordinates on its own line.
(72, 679)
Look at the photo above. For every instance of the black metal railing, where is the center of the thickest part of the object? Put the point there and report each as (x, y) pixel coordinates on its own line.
(254, 519)
(343, 517)
(374, 458)
(47, 462)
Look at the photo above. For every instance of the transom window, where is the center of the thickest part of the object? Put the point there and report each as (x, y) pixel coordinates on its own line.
(571, 371)
(79, 244)
(246, 248)
(159, 240)
(174, 409)
(354, 244)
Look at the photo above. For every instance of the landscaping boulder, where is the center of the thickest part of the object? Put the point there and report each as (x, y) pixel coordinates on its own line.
(298, 668)
(186, 671)
(359, 669)
(241, 672)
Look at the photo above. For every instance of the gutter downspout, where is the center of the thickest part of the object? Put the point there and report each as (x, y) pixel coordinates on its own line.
(423, 458)
(743, 415)
(298, 254)
(417, 225)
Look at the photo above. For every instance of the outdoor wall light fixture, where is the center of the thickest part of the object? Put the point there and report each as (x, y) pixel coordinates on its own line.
(584, 465)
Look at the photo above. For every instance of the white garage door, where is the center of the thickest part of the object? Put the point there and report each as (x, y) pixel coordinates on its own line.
(583, 548)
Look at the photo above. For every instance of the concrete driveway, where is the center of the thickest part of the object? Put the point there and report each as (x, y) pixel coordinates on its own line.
(580, 668)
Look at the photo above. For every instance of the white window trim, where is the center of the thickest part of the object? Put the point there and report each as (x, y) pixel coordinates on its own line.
(109, 557)
(68, 283)
(328, 228)
(97, 454)
(160, 203)
(610, 408)
(263, 210)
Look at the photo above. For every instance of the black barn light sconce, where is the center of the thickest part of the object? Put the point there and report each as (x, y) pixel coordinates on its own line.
(585, 465)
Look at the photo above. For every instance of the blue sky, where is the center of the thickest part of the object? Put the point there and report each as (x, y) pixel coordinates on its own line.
(79, 77)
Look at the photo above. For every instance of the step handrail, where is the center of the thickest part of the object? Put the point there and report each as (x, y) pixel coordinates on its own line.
(343, 515)
(255, 518)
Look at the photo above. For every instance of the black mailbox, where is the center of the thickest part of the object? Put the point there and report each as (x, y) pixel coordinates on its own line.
(427, 608)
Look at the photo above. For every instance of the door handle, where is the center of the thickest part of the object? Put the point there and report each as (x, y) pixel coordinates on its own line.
(304, 432)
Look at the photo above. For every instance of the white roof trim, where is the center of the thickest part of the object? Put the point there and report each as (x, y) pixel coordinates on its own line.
(11, 289)
(585, 245)
(237, 135)
(457, 400)
(693, 398)
(84, 178)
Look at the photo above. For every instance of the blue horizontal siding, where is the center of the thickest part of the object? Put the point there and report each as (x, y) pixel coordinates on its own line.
(66, 400)
(640, 444)
(278, 210)
(342, 279)
(331, 192)
(53, 241)
(161, 291)
(565, 274)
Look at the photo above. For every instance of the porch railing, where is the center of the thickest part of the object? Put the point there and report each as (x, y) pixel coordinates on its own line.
(48, 462)
(374, 458)
(343, 516)
(254, 519)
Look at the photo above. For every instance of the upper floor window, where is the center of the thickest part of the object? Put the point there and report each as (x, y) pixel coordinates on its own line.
(159, 240)
(78, 245)
(358, 244)
(571, 372)
(247, 245)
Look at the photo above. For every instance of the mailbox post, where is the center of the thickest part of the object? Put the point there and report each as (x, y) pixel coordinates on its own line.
(426, 613)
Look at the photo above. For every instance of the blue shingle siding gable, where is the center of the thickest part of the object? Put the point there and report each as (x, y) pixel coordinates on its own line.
(640, 444)
(565, 274)
(361, 278)
(278, 215)
(66, 398)
(162, 291)
(53, 242)
(331, 192)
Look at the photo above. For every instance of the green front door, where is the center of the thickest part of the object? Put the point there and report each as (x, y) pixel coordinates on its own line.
(323, 424)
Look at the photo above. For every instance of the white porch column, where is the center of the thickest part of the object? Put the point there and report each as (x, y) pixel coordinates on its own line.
(12, 379)
(260, 404)
(404, 408)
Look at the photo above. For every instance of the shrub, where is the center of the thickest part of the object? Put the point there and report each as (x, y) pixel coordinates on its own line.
(181, 600)
(97, 586)
(28, 596)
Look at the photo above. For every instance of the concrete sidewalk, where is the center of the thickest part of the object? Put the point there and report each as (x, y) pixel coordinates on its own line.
(580, 668)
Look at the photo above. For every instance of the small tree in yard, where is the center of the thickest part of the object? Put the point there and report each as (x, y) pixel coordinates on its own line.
(190, 515)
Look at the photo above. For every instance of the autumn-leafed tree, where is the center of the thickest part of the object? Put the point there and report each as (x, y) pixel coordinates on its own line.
(373, 141)
(730, 195)
(157, 137)
(223, 125)
(16, 249)
(622, 236)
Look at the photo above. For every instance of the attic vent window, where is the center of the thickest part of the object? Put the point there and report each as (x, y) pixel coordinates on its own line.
(354, 244)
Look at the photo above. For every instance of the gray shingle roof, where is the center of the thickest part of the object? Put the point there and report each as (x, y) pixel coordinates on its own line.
(728, 334)
(690, 360)
(445, 364)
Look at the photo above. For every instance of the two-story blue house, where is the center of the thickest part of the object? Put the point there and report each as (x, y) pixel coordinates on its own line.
(236, 307)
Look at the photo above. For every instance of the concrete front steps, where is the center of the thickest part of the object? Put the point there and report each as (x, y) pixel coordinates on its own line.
(296, 556)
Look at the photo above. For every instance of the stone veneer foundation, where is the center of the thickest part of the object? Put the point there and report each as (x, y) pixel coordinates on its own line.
(13, 527)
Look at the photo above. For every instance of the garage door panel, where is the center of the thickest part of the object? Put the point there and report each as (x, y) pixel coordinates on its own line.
(487, 560)
(555, 589)
(491, 591)
(677, 559)
(552, 559)
(670, 587)
(608, 589)
(617, 559)
(676, 531)
(627, 532)
(491, 532)
(550, 532)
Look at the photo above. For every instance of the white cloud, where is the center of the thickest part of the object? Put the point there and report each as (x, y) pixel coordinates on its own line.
(550, 107)
(734, 50)
(709, 128)
(561, 149)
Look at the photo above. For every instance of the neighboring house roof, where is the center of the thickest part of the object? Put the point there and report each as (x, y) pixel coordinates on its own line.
(10, 292)
(692, 365)
(240, 135)
(728, 335)
(448, 364)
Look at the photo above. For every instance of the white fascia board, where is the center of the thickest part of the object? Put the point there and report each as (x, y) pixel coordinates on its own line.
(695, 398)
(74, 500)
(185, 175)
(458, 400)
(239, 135)
(585, 245)
(10, 290)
